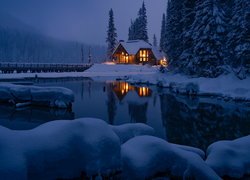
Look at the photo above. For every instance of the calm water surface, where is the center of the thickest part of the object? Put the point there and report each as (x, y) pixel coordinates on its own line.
(191, 121)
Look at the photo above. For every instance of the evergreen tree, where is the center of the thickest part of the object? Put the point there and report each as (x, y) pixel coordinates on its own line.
(155, 43)
(239, 38)
(111, 35)
(163, 31)
(208, 34)
(138, 28)
(188, 16)
(173, 46)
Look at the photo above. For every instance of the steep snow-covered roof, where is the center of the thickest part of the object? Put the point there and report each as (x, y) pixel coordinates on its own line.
(133, 46)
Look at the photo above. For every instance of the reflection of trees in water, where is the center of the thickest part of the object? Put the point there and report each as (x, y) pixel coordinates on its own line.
(204, 124)
(111, 104)
(138, 112)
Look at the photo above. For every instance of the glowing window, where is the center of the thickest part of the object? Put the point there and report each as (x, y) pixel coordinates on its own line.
(144, 55)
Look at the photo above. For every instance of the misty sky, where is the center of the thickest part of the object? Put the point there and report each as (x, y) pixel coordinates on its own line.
(84, 20)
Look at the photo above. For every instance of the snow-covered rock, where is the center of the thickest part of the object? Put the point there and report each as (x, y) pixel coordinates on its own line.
(59, 149)
(145, 156)
(56, 97)
(128, 131)
(230, 158)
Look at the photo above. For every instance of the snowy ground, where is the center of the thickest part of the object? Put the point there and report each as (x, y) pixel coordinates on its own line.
(226, 86)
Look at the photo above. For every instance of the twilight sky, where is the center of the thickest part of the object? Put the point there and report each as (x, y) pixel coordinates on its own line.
(84, 20)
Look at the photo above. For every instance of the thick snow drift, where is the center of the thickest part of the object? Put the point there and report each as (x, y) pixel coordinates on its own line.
(145, 156)
(128, 131)
(56, 97)
(59, 149)
(230, 158)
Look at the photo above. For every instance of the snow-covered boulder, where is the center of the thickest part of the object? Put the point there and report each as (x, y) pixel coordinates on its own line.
(55, 97)
(230, 158)
(146, 156)
(59, 149)
(128, 131)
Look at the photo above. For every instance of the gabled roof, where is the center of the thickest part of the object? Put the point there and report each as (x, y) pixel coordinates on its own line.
(133, 46)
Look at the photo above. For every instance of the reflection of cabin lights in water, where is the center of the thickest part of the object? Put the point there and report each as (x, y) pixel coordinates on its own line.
(143, 91)
(124, 88)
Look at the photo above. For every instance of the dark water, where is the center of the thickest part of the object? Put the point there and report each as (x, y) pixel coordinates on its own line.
(191, 121)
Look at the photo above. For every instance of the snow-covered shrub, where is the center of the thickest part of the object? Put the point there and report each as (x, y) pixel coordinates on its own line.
(128, 131)
(59, 149)
(145, 156)
(230, 158)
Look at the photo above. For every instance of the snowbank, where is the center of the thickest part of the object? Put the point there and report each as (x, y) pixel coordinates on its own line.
(230, 158)
(59, 149)
(146, 156)
(55, 97)
(128, 131)
(225, 86)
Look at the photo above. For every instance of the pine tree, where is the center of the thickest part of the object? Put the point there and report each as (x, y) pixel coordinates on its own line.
(111, 35)
(163, 31)
(188, 16)
(138, 28)
(173, 46)
(155, 43)
(143, 30)
(208, 33)
(239, 38)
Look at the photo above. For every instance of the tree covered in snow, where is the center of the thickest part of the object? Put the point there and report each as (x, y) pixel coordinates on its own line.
(239, 38)
(111, 35)
(138, 29)
(200, 37)
(208, 32)
(173, 31)
(163, 31)
(188, 12)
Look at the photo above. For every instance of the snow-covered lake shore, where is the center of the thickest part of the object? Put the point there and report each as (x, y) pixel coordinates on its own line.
(51, 151)
(225, 86)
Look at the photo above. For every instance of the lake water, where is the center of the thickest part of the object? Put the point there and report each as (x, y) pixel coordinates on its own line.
(196, 122)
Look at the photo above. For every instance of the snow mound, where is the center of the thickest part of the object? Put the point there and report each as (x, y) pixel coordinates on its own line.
(55, 97)
(128, 131)
(59, 149)
(230, 158)
(145, 156)
(191, 149)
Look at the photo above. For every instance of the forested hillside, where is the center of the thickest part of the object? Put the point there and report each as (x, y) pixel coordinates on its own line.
(21, 43)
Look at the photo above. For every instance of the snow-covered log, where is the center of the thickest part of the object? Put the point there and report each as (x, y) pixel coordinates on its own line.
(230, 158)
(55, 97)
(146, 156)
(59, 149)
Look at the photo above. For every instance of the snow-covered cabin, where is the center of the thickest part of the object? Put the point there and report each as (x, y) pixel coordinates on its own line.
(137, 52)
